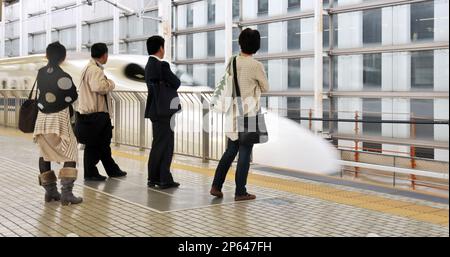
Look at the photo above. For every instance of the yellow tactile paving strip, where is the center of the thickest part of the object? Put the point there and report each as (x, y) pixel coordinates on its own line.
(370, 202)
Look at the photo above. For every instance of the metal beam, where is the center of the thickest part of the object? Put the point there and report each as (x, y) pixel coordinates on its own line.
(2, 30)
(372, 5)
(279, 18)
(116, 27)
(209, 28)
(79, 27)
(391, 94)
(318, 65)
(393, 141)
(165, 27)
(228, 30)
(23, 31)
(391, 49)
(48, 22)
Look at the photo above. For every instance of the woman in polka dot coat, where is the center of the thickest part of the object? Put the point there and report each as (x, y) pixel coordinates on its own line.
(53, 132)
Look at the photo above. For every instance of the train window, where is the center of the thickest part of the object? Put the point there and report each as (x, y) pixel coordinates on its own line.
(4, 84)
(14, 84)
(135, 72)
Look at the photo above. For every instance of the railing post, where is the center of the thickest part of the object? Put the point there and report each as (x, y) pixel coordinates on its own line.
(5, 109)
(117, 115)
(356, 142)
(142, 105)
(310, 119)
(205, 128)
(413, 127)
(17, 109)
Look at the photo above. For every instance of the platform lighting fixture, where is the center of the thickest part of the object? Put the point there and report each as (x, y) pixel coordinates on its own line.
(129, 11)
(121, 7)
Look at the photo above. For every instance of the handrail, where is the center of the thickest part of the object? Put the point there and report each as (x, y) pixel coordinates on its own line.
(398, 170)
(134, 130)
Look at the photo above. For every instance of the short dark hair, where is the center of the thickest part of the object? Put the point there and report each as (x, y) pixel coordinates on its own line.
(154, 44)
(98, 50)
(56, 53)
(250, 41)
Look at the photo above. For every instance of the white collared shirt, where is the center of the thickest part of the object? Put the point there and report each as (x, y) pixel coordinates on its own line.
(157, 58)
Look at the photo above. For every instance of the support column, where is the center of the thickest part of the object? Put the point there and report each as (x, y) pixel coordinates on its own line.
(48, 22)
(165, 27)
(79, 26)
(318, 64)
(116, 29)
(331, 75)
(228, 30)
(2, 29)
(23, 30)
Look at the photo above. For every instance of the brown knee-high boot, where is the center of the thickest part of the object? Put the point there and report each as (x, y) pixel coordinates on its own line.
(68, 177)
(48, 181)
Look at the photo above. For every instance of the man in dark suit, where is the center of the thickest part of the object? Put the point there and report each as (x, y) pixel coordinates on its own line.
(161, 154)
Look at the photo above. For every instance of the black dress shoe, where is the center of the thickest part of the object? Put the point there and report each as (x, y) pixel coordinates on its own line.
(118, 174)
(152, 184)
(170, 185)
(95, 178)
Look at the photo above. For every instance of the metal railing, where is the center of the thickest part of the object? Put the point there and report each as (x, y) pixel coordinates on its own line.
(200, 133)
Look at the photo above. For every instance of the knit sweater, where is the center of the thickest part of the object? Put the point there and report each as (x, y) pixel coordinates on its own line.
(56, 89)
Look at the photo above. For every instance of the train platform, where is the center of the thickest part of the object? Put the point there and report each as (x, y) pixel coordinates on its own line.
(287, 206)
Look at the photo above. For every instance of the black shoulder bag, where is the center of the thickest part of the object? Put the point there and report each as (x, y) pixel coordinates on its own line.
(252, 129)
(167, 99)
(29, 112)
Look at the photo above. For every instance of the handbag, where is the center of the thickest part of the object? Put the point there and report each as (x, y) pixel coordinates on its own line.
(28, 112)
(89, 128)
(166, 99)
(252, 129)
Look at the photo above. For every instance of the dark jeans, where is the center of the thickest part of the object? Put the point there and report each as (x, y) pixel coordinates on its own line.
(100, 151)
(161, 154)
(243, 166)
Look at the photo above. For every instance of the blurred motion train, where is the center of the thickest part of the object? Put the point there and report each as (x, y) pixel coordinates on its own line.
(127, 71)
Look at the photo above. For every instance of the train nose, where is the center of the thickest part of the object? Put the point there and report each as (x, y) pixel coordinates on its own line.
(135, 72)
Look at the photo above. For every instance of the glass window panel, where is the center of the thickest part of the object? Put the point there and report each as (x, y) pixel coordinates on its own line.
(211, 75)
(422, 109)
(372, 26)
(236, 47)
(422, 21)
(236, 9)
(189, 16)
(372, 112)
(211, 37)
(189, 46)
(211, 11)
(372, 71)
(422, 70)
(263, 7)
(264, 31)
(294, 74)
(293, 5)
(293, 108)
(294, 32)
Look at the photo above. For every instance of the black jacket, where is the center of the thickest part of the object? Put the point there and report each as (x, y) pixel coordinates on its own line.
(56, 89)
(157, 71)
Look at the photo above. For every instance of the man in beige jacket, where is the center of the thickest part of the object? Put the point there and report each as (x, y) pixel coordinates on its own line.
(94, 97)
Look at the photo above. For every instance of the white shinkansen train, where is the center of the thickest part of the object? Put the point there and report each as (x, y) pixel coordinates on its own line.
(127, 71)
